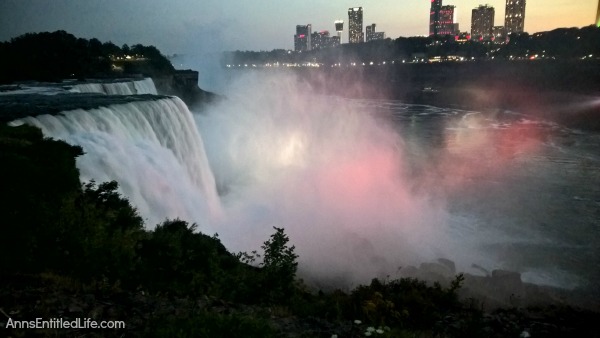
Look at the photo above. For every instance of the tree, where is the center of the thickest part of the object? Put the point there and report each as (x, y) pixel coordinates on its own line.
(280, 265)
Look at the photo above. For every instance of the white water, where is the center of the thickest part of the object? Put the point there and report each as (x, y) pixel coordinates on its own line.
(145, 86)
(151, 148)
(327, 171)
(358, 196)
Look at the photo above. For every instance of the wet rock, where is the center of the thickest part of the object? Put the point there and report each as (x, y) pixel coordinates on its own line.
(481, 269)
(436, 269)
(409, 271)
(508, 277)
(448, 263)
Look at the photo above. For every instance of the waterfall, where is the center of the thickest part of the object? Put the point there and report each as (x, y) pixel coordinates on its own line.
(152, 148)
(145, 86)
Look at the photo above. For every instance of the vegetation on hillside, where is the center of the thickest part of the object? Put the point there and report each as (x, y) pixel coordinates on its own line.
(59, 55)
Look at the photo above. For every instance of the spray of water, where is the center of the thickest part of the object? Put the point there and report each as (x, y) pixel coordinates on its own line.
(340, 179)
(151, 148)
(328, 171)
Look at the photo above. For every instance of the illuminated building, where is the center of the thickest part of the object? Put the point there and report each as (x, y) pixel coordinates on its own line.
(372, 35)
(355, 25)
(434, 17)
(302, 39)
(323, 40)
(499, 34)
(462, 37)
(339, 28)
(514, 20)
(369, 30)
(446, 20)
(482, 22)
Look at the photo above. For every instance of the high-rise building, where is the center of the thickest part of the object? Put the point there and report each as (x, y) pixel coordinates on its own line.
(434, 17)
(372, 35)
(378, 36)
(446, 23)
(514, 20)
(339, 28)
(355, 25)
(302, 39)
(482, 22)
(320, 40)
(369, 30)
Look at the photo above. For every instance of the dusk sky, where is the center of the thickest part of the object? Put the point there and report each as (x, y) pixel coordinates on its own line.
(194, 26)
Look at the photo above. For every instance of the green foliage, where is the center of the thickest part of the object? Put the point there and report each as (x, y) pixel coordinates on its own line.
(37, 176)
(59, 55)
(98, 234)
(405, 302)
(279, 265)
(176, 258)
(211, 325)
(50, 222)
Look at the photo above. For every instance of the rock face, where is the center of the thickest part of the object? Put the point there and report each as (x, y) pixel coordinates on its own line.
(506, 277)
(184, 83)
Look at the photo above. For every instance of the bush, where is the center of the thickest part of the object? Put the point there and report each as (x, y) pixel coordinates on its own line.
(406, 302)
(176, 258)
(212, 325)
(279, 266)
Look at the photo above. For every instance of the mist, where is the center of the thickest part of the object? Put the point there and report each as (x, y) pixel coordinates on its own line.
(364, 188)
(357, 198)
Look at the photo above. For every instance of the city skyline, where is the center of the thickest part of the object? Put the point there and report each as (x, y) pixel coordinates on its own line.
(186, 26)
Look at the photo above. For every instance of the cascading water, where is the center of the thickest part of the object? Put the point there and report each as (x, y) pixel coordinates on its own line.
(145, 86)
(360, 192)
(152, 148)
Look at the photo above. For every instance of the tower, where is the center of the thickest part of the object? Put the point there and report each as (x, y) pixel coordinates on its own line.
(302, 39)
(355, 25)
(482, 22)
(434, 17)
(369, 30)
(446, 23)
(339, 28)
(514, 20)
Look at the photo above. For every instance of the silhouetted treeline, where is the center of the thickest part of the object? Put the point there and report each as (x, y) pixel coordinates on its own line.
(562, 43)
(60, 55)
